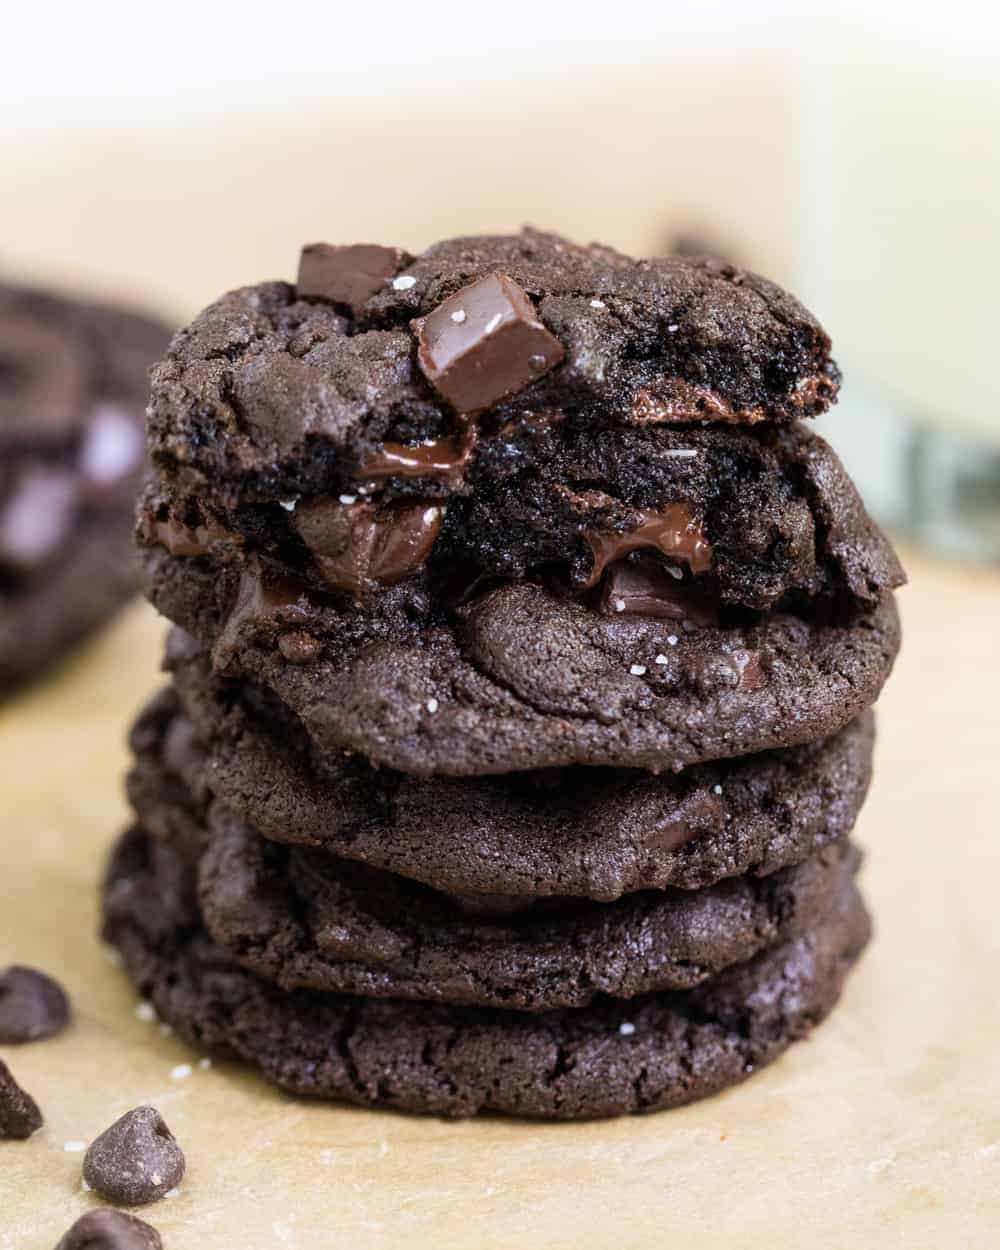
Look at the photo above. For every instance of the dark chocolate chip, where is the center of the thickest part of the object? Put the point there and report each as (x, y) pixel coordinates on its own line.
(37, 517)
(19, 1114)
(110, 1230)
(347, 275)
(671, 529)
(485, 343)
(32, 1006)
(355, 545)
(136, 1160)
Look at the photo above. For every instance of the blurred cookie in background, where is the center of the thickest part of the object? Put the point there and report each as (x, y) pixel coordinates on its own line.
(73, 389)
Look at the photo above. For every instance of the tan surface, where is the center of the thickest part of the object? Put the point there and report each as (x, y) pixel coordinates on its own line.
(883, 1131)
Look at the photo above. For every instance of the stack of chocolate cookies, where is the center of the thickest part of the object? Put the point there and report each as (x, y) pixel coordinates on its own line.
(520, 693)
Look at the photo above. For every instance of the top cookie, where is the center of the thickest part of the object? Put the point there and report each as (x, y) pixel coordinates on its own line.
(332, 384)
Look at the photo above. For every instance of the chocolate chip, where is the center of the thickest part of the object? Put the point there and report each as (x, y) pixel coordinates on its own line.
(355, 544)
(646, 588)
(19, 1114)
(347, 275)
(261, 597)
(671, 529)
(37, 517)
(485, 343)
(110, 1230)
(136, 1160)
(32, 1006)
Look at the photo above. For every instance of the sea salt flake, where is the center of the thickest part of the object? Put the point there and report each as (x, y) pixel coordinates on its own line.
(683, 453)
(181, 1072)
(619, 605)
(432, 705)
(717, 789)
(145, 1012)
(348, 499)
(672, 329)
(638, 670)
(626, 1028)
(672, 640)
(662, 659)
(458, 316)
(74, 1147)
(674, 571)
(598, 303)
(288, 504)
(404, 283)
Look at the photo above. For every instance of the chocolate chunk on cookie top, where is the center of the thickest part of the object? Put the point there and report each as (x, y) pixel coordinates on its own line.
(19, 1114)
(484, 344)
(347, 275)
(137, 1160)
(32, 1006)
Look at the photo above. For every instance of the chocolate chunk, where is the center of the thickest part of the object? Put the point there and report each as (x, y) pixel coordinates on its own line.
(672, 530)
(136, 1160)
(189, 540)
(699, 814)
(112, 447)
(355, 544)
(110, 1230)
(645, 588)
(347, 275)
(37, 517)
(485, 343)
(19, 1114)
(261, 595)
(32, 1006)
(438, 458)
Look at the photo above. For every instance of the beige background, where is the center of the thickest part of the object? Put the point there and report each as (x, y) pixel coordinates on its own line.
(882, 1132)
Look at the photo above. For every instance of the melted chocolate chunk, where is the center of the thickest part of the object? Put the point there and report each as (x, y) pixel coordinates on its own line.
(189, 540)
(348, 275)
(37, 517)
(440, 457)
(356, 544)
(484, 344)
(645, 588)
(672, 530)
(260, 596)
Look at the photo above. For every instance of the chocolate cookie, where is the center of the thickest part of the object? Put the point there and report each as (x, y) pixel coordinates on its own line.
(73, 386)
(655, 1051)
(506, 406)
(304, 920)
(522, 677)
(595, 833)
